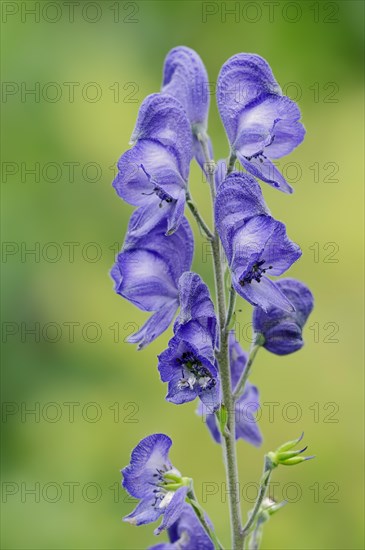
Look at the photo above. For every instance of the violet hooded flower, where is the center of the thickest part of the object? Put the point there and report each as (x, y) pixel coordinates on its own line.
(187, 533)
(147, 273)
(154, 173)
(188, 364)
(151, 478)
(282, 330)
(246, 405)
(196, 306)
(255, 243)
(185, 78)
(260, 122)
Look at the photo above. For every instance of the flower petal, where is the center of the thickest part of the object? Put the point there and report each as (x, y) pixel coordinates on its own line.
(271, 126)
(265, 170)
(239, 198)
(196, 304)
(173, 510)
(161, 117)
(146, 279)
(264, 294)
(283, 331)
(262, 239)
(154, 326)
(147, 272)
(149, 455)
(186, 79)
(187, 532)
(144, 513)
(147, 159)
(244, 79)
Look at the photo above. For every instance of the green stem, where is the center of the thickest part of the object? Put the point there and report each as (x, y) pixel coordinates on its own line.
(240, 388)
(231, 304)
(191, 498)
(262, 492)
(228, 435)
(232, 160)
(201, 223)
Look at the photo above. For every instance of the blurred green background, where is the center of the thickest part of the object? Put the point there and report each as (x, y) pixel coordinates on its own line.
(95, 396)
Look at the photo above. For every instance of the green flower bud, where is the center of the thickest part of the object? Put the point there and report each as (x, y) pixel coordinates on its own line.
(286, 456)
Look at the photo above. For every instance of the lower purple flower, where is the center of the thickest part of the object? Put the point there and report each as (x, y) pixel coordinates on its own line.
(151, 478)
(147, 272)
(187, 533)
(259, 248)
(246, 405)
(283, 330)
(190, 372)
(188, 364)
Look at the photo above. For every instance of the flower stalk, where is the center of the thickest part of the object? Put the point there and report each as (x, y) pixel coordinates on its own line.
(192, 500)
(228, 434)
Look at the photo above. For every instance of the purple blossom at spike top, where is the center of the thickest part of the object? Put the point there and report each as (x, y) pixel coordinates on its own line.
(246, 405)
(283, 330)
(147, 273)
(260, 122)
(186, 533)
(185, 78)
(151, 478)
(188, 364)
(154, 173)
(256, 245)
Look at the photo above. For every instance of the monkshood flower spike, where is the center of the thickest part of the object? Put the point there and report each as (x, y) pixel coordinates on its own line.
(245, 406)
(203, 360)
(260, 122)
(147, 273)
(282, 331)
(151, 478)
(154, 173)
(185, 78)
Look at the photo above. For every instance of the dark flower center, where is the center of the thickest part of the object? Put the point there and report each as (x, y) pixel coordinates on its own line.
(260, 156)
(194, 374)
(157, 190)
(161, 195)
(256, 273)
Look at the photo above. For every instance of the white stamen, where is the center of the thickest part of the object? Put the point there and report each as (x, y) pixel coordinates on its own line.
(166, 499)
(204, 381)
(191, 381)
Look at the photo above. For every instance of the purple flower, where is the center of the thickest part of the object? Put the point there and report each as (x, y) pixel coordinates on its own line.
(190, 373)
(187, 533)
(154, 173)
(185, 78)
(147, 273)
(239, 197)
(260, 122)
(151, 478)
(283, 330)
(256, 245)
(246, 405)
(195, 306)
(188, 364)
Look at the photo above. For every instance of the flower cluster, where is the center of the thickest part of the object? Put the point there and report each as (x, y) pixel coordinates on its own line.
(203, 359)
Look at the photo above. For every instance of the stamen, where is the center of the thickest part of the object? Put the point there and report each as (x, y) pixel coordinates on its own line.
(256, 273)
(198, 377)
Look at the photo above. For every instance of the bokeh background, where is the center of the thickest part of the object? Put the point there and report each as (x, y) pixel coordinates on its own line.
(63, 328)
